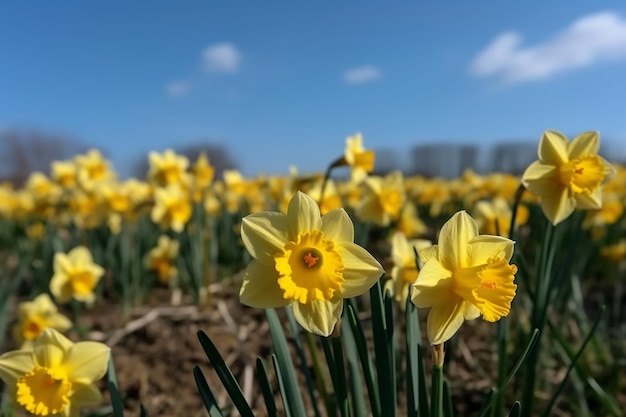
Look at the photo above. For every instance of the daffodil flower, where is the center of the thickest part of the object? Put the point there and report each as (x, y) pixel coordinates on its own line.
(57, 376)
(568, 174)
(307, 261)
(36, 316)
(75, 276)
(463, 276)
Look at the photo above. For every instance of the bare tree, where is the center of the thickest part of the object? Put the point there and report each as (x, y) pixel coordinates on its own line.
(25, 151)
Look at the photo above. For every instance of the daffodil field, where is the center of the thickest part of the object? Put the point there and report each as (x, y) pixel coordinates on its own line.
(371, 295)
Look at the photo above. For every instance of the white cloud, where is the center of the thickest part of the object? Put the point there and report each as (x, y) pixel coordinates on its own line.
(221, 57)
(588, 40)
(362, 74)
(178, 88)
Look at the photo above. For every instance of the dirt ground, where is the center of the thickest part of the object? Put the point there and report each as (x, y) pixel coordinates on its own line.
(155, 348)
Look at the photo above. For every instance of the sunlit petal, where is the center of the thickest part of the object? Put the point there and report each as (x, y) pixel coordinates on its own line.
(484, 247)
(264, 234)
(361, 270)
(303, 215)
(318, 317)
(553, 148)
(444, 320)
(453, 239)
(338, 226)
(14, 364)
(433, 286)
(50, 348)
(87, 362)
(587, 143)
(260, 287)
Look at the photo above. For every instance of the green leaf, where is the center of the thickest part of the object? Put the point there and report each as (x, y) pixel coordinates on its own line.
(283, 358)
(516, 410)
(448, 411)
(382, 350)
(206, 394)
(266, 388)
(225, 375)
(356, 381)
(413, 338)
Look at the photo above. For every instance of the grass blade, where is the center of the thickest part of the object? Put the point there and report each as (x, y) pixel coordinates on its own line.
(266, 388)
(225, 375)
(206, 394)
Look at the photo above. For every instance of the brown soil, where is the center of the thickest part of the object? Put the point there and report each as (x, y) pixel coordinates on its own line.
(155, 348)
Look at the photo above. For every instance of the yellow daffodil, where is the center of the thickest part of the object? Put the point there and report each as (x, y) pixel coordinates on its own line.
(162, 259)
(36, 316)
(330, 200)
(167, 168)
(361, 160)
(464, 275)
(93, 168)
(172, 207)
(307, 261)
(64, 173)
(57, 376)
(202, 170)
(404, 271)
(493, 217)
(383, 199)
(568, 174)
(75, 276)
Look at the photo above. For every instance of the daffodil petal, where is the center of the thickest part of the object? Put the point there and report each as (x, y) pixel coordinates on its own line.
(483, 247)
(360, 271)
(558, 205)
(264, 234)
(433, 285)
(50, 348)
(14, 364)
(444, 320)
(87, 362)
(470, 311)
(337, 226)
(318, 317)
(591, 201)
(553, 148)
(260, 287)
(429, 252)
(85, 394)
(303, 215)
(62, 262)
(453, 238)
(587, 143)
(537, 171)
(80, 255)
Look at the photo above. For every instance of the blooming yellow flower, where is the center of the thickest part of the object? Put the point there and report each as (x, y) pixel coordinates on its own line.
(167, 168)
(494, 217)
(64, 173)
(464, 276)
(162, 259)
(361, 160)
(305, 260)
(404, 271)
(567, 174)
(75, 276)
(93, 168)
(383, 199)
(36, 316)
(57, 376)
(172, 207)
(331, 199)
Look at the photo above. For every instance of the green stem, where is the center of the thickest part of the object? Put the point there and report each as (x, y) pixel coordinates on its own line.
(436, 398)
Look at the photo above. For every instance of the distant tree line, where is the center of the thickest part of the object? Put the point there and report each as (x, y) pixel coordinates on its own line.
(25, 151)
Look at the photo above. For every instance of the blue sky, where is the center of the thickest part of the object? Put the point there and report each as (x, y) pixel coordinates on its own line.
(284, 83)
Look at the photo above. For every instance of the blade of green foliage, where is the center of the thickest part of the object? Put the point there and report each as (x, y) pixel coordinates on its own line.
(356, 381)
(142, 411)
(413, 341)
(206, 394)
(436, 391)
(116, 400)
(382, 351)
(516, 410)
(304, 366)
(283, 356)
(266, 388)
(225, 375)
(6, 291)
(365, 359)
(331, 367)
(573, 362)
(424, 409)
(500, 390)
(342, 389)
(282, 388)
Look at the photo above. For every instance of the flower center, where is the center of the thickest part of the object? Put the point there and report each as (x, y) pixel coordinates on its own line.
(82, 282)
(584, 175)
(43, 392)
(310, 268)
(32, 326)
(489, 287)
